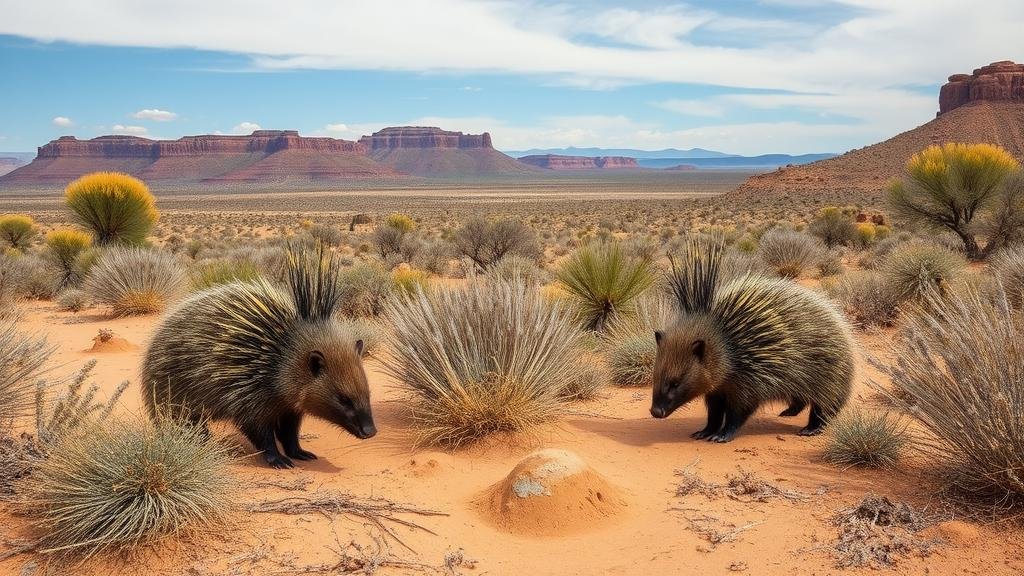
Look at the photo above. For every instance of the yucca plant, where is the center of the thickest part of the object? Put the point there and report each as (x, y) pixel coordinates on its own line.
(481, 359)
(126, 484)
(135, 281)
(859, 438)
(17, 230)
(117, 208)
(603, 281)
(66, 246)
(960, 373)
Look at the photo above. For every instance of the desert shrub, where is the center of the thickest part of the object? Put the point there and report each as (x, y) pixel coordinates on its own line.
(65, 245)
(914, 269)
(965, 189)
(485, 358)
(584, 381)
(866, 297)
(400, 222)
(736, 264)
(746, 244)
(875, 256)
(17, 231)
(870, 439)
(365, 288)
(486, 242)
(42, 277)
(216, 272)
(117, 208)
(327, 235)
(830, 263)
(960, 372)
(22, 356)
(788, 252)
(73, 300)
(408, 280)
(602, 281)
(127, 484)
(135, 281)
(864, 235)
(833, 227)
(1009, 269)
(434, 257)
(13, 279)
(388, 241)
(514, 266)
(629, 341)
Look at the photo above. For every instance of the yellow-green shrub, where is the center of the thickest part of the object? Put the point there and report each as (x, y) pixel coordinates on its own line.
(17, 230)
(400, 222)
(117, 208)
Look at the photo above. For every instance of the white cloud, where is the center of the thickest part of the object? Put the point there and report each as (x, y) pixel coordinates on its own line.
(693, 107)
(62, 122)
(129, 130)
(154, 114)
(245, 128)
(340, 128)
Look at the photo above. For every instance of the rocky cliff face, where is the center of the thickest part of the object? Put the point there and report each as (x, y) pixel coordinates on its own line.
(260, 141)
(422, 137)
(999, 81)
(558, 162)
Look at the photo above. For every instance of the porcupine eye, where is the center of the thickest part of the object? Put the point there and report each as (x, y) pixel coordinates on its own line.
(316, 363)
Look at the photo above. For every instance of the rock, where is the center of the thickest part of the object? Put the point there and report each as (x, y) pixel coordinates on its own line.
(552, 492)
(999, 81)
(433, 152)
(559, 162)
(423, 137)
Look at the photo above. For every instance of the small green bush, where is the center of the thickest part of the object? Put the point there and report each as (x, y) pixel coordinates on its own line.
(216, 272)
(17, 231)
(117, 208)
(833, 227)
(858, 438)
(65, 247)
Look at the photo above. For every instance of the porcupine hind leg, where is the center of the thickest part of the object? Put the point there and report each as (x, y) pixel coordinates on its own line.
(796, 406)
(815, 424)
(716, 413)
(288, 434)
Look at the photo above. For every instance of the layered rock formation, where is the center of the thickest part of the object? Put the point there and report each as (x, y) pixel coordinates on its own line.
(433, 152)
(559, 162)
(999, 81)
(989, 110)
(7, 164)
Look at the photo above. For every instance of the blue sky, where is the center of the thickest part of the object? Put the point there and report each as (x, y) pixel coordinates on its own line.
(745, 77)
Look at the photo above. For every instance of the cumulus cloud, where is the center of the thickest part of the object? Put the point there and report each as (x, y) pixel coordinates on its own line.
(245, 128)
(129, 130)
(154, 114)
(62, 122)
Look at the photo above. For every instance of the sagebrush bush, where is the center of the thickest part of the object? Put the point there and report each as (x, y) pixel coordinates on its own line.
(434, 257)
(917, 268)
(117, 208)
(830, 263)
(13, 279)
(365, 289)
(864, 235)
(135, 281)
(602, 281)
(869, 439)
(400, 222)
(486, 242)
(327, 235)
(127, 484)
(73, 300)
(17, 231)
(833, 227)
(960, 372)
(867, 298)
(481, 359)
(210, 273)
(22, 356)
(65, 246)
(43, 277)
(515, 266)
(788, 252)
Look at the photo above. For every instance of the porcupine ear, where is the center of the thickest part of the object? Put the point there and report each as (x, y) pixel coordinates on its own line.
(313, 281)
(694, 276)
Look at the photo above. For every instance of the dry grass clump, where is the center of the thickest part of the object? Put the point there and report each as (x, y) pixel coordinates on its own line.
(490, 357)
(13, 279)
(216, 272)
(960, 372)
(126, 484)
(603, 281)
(743, 486)
(915, 269)
(17, 231)
(365, 290)
(66, 247)
(21, 361)
(788, 252)
(408, 280)
(135, 281)
(73, 300)
(1008, 266)
(877, 533)
(629, 341)
(117, 208)
(866, 297)
(858, 438)
(516, 266)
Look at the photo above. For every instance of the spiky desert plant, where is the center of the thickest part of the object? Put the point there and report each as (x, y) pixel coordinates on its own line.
(22, 356)
(1009, 269)
(960, 372)
(216, 272)
(72, 407)
(866, 297)
(17, 230)
(912, 270)
(135, 281)
(117, 208)
(126, 484)
(629, 341)
(954, 186)
(485, 358)
(603, 281)
(788, 252)
(869, 439)
(833, 227)
(66, 245)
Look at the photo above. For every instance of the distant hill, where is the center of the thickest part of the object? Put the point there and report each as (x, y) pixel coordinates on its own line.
(9, 162)
(764, 162)
(557, 162)
(984, 107)
(432, 152)
(626, 152)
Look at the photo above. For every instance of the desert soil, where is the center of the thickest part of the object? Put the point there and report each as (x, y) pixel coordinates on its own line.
(651, 530)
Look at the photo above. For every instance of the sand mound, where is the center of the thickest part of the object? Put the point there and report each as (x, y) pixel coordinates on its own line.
(552, 492)
(956, 532)
(110, 344)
